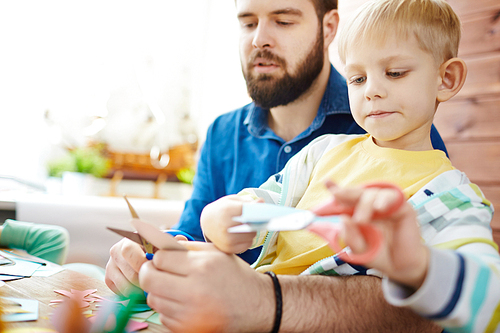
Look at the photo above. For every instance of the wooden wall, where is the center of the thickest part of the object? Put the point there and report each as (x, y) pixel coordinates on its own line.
(470, 122)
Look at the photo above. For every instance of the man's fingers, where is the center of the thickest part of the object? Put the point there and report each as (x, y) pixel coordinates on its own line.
(126, 258)
(198, 246)
(110, 278)
(134, 255)
(116, 280)
(162, 283)
(180, 238)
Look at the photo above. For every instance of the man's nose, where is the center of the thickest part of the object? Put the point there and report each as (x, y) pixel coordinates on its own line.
(262, 37)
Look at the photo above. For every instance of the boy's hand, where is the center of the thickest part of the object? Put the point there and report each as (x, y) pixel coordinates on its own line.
(403, 257)
(218, 216)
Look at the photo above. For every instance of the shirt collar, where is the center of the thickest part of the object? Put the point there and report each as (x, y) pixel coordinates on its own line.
(333, 102)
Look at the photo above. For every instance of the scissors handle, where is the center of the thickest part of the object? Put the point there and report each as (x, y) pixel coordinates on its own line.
(373, 237)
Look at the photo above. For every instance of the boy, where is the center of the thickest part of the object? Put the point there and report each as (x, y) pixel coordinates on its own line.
(400, 59)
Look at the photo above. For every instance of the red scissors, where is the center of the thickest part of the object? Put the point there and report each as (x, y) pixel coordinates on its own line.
(373, 237)
(322, 220)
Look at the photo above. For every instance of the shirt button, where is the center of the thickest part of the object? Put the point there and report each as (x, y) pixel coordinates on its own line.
(288, 149)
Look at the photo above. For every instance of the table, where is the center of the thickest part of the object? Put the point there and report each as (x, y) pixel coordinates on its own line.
(42, 289)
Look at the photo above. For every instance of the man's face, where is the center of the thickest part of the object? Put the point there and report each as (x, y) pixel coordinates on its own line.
(281, 49)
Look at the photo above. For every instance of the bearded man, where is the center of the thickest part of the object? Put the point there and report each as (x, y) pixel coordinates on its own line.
(297, 96)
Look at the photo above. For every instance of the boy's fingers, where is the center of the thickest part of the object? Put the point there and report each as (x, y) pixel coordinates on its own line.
(352, 237)
(385, 199)
(364, 208)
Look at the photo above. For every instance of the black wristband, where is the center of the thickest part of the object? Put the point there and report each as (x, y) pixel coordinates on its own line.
(279, 302)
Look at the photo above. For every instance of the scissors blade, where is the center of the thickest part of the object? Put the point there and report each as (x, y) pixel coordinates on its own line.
(132, 210)
(147, 245)
(133, 236)
(161, 240)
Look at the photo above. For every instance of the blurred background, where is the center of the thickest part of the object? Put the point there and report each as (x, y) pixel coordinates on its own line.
(126, 77)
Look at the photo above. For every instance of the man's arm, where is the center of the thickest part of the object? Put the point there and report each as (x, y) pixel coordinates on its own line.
(212, 291)
(344, 304)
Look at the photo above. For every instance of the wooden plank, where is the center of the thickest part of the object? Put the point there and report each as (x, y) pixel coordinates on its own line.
(463, 8)
(42, 290)
(469, 119)
(481, 32)
(479, 160)
(468, 7)
(483, 76)
(492, 193)
(496, 237)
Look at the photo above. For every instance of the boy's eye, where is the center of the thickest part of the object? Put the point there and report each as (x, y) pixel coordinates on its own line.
(357, 80)
(396, 74)
(284, 23)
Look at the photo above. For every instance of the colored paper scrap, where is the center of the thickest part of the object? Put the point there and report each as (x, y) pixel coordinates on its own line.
(28, 310)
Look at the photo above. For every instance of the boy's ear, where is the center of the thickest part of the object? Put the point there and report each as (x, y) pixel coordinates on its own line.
(452, 73)
(330, 26)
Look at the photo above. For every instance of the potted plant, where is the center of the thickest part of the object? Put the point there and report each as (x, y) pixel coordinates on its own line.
(79, 168)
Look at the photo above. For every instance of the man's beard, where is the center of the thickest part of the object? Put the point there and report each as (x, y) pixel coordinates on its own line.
(269, 92)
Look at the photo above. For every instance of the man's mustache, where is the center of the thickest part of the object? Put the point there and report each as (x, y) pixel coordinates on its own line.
(268, 56)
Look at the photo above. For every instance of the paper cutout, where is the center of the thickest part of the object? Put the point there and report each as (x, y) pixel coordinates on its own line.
(155, 318)
(82, 298)
(21, 268)
(155, 236)
(133, 326)
(4, 277)
(26, 311)
(69, 317)
(29, 330)
(263, 212)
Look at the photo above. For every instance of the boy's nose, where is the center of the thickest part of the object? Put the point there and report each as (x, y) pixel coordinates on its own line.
(374, 89)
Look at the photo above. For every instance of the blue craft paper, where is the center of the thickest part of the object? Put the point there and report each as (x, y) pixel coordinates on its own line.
(29, 305)
(263, 212)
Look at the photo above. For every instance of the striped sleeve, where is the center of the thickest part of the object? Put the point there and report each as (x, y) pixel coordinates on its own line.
(461, 291)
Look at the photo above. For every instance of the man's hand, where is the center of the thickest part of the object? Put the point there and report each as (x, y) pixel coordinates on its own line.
(218, 216)
(126, 259)
(206, 290)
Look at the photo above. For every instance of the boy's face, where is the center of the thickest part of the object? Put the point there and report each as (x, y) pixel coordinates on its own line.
(281, 47)
(392, 91)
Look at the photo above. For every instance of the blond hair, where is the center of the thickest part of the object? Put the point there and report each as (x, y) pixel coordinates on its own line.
(434, 24)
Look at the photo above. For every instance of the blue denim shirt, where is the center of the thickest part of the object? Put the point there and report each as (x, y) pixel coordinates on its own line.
(241, 151)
